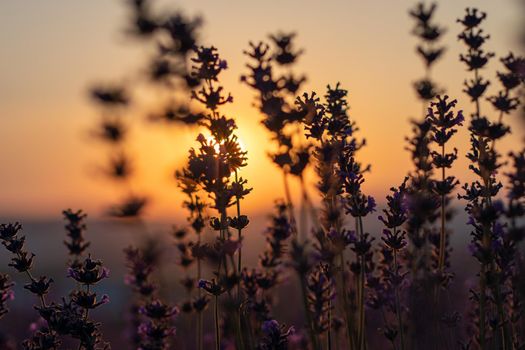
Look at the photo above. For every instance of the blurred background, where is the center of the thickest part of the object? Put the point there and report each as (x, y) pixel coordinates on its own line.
(52, 52)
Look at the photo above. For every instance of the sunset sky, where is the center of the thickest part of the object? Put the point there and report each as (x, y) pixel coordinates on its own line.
(51, 52)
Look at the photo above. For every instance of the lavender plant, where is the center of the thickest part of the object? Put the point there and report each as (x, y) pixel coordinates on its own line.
(350, 284)
(340, 178)
(6, 293)
(275, 100)
(213, 169)
(112, 130)
(443, 121)
(389, 287)
(429, 34)
(491, 245)
(71, 316)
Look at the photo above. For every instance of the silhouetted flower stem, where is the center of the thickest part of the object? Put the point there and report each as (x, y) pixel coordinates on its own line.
(486, 242)
(199, 296)
(442, 236)
(289, 202)
(361, 289)
(346, 312)
(443, 121)
(398, 306)
(428, 33)
(309, 321)
(393, 238)
(86, 314)
(476, 59)
(33, 280)
(239, 266)
(303, 229)
(217, 326)
(430, 52)
(210, 169)
(329, 340)
(308, 202)
(275, 91)
(239, 239)
(23, 263)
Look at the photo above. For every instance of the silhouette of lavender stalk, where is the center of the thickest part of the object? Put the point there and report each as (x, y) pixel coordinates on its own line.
(154, 318)
(112, 130)
(71, 316)
(215, 289)
(489, 233)
(429, 34)
(510, 299)
(174, 36)
(211, 167)
(421, 198)
(195, 207)
(358, 205)
(302, 263)
(320, 295)
(258, 283)
(394, 241)
(505, 103)
(510, 80)
(276, 336)
(329, 126)
(6, 293)
(443, 121)
(340, 179)
(475, 60)
(274, 95)
(22, 261)
(239, 222)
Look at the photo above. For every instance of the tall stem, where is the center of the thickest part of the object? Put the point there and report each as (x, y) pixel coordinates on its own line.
(311, 333)
(329, 324)
(346, 308)
(302, 214)
(239, 269)
(398, 306)
(361, 291)
(289, 203)
(217, 330)
(199, 293)
(486, 244)
(442, 236)
(239, 239)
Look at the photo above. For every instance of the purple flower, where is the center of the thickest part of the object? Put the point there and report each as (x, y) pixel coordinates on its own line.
(89, 272)
(371, 204)
(157, 310)
(275, 336)
(6, 293)
(270, 326)
(223, 64)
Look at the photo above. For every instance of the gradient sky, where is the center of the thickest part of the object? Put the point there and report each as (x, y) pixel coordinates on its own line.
(52, 51)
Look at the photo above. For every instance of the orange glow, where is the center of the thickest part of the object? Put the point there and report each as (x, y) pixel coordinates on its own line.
(49, 59)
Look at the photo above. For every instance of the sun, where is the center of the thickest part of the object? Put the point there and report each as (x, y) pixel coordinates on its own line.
(217, 145)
